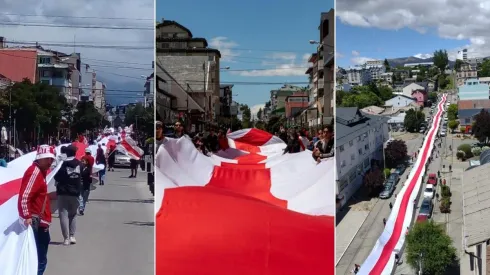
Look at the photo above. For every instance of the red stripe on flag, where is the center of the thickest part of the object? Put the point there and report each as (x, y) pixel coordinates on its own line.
(255, 137)
(9, 189)
(214, 231)
(130, 149)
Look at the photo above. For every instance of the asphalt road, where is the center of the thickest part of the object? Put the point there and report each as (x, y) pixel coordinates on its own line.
(116, 234)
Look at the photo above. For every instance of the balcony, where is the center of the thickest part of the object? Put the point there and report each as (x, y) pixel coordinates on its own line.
(320, 65)
(320, 83)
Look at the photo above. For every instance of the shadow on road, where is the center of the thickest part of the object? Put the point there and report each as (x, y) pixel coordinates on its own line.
(454, 269)
(140, 223)
(131, 201)
(56, 243)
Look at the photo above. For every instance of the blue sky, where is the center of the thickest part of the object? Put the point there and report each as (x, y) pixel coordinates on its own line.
(379, 44)
(253, 35)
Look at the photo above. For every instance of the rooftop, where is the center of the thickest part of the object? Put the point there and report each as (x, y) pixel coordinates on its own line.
(17, 64)
(474, 104)
(351, 122)
(476, 205)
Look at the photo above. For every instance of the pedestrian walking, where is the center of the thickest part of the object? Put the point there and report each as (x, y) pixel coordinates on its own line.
(69, 185)
(34, 205)
(450, 168)
(444, 181)
(86, 183)
(391, 205)
(100, 159)
(384, 221)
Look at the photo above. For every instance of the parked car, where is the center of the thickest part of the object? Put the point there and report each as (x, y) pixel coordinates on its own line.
(426, 208)
(422, 218)
(429, 191)
(394, 177)
(400, 169)
(121, 160)
(422, 130)
(442, 134)
(432, 179)
(388, 190)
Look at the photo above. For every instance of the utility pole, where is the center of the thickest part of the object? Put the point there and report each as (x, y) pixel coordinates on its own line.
(10, 116)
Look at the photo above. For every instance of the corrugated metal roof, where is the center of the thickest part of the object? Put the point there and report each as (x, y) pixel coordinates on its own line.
(18, 64)
(476, 204)
(474, 104)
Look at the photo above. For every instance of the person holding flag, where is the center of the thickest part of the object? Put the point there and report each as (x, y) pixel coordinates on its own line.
(34, 205)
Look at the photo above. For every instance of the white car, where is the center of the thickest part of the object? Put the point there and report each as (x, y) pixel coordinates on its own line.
(429, 191)
(443, 134)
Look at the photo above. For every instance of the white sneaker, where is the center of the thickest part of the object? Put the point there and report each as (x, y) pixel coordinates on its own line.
(66, 242)
(73, 240)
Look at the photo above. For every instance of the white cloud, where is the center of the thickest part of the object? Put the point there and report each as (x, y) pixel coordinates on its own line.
(360, 60)
(112, 59)
(452, 19)
(355, 53)
(423, 55)
(339, 55)
(255, 109)
(225, 46)
(283, 64)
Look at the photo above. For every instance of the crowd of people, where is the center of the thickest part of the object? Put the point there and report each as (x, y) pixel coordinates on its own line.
(321, 143)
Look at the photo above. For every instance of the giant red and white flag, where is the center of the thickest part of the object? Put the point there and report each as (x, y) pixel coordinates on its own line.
(248, 210)
(129, 147)
(18, 254)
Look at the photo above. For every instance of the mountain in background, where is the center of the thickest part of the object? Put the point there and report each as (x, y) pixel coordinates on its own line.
(395, 62)
(118, 98)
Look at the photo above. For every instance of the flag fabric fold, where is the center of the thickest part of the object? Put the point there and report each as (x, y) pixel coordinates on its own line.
(247, 210)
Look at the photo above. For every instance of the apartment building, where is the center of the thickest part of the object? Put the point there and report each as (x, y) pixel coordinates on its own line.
(467, 71)
(360, 140)
(193, 65)
(326, 95)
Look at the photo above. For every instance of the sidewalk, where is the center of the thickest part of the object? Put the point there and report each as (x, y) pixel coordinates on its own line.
(358, 231)
(115, 237)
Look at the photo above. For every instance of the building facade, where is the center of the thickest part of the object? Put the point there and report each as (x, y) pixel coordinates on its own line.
(326, 87)
(468, 109)
(360, 140)
(278, 98)
(466, 72)
(295, 104)
(98, 95)
(193, 65)
(400, 101)
(473, 89)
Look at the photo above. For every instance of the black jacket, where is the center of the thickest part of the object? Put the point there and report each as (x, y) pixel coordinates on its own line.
(68, 178)
(326, 150)
(86, 177)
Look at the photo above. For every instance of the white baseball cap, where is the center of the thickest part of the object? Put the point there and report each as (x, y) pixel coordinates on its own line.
(45, 151)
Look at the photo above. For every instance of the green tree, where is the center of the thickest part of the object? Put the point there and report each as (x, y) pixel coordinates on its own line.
(141, 118)
(85, 118)
(36, 108)
(429, 243)
(259, 114)
(387, 65)
(246, 116)
(457, 64)
(339, 96)
(481, 128)
(452, 112)
(484, 69)
(373, 181)
(361, 100)
(395, 153)
(442, 81)
(432, 72)
(441, 59)
(453, 124)
(385, 93)
(274, 123)
(433, 97)
(413, 120)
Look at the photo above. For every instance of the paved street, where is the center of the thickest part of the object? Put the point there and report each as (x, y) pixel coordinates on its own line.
(115, 237)
(356, 236)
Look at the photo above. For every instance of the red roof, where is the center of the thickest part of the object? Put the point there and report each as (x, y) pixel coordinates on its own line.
(18, 64)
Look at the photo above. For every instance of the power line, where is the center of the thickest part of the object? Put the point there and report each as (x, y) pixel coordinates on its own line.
(78, 17)
(67, 45)
(29, 24)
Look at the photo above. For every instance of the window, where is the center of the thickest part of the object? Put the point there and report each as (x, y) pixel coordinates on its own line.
(210, 58)
(352, 176)
(165, 45)
(360, 151)
(366, 163)
(45, 60)
(341, 148)
(342, 163)
(467, 120)
(351, 143)
(58, 74)
(352, 157)
(343, 184)
(366, 147)
(45, 82)
(46, 73)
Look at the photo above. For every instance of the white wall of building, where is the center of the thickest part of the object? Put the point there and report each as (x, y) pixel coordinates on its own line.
(399, 101)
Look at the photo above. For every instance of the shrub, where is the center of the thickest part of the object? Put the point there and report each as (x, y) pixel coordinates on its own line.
(387, 172)
(445, 205)
(466, 148)
(462, 130)
(461, 155)
(484, 148)
(445, 191)
(476, 151)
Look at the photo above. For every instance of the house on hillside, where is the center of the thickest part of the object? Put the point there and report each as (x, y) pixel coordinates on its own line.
(400, 101)
(410, 88)
(421, 96)
(468, 109)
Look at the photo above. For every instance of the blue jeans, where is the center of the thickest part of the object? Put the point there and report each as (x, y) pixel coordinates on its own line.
(101, 176)
(83, 199)
(42, 238)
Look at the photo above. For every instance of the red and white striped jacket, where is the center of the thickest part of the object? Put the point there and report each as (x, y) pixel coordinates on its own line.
(33, 192)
